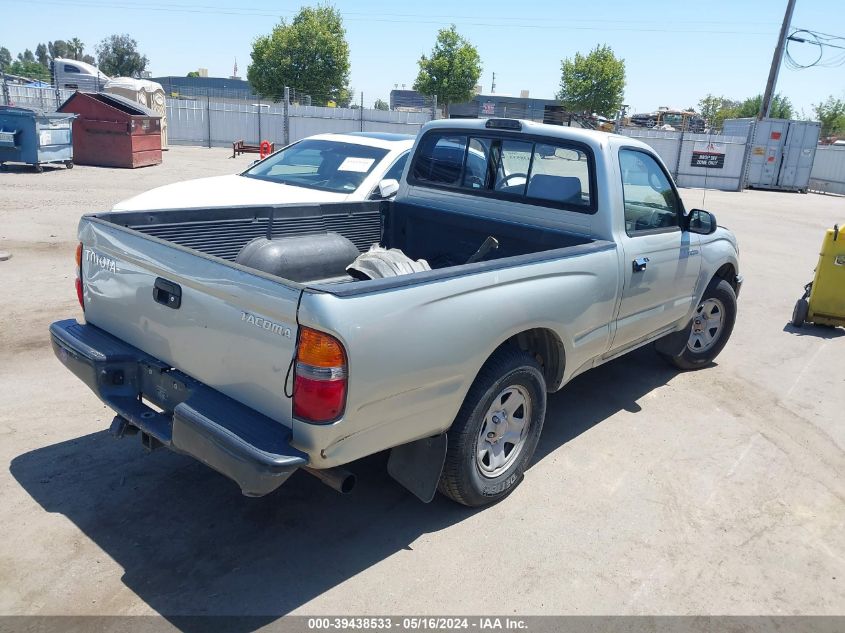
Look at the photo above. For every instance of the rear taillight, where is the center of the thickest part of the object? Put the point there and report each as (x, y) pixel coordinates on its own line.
(79, 291)
(319, 388)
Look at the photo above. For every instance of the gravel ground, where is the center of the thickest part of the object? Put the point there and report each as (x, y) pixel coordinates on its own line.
(653, 492)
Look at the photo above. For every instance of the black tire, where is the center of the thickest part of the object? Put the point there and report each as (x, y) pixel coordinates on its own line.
(69, 164)
(39, 169)
(690, 358)
(799, 313)
(462, 479)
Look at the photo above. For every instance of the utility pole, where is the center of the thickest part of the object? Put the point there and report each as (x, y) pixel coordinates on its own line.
(766, 103)
(493, 86)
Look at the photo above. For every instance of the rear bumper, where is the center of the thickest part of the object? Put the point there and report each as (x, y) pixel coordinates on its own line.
(246, 446)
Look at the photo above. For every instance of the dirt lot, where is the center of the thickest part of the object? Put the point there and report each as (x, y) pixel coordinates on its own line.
(652, 492)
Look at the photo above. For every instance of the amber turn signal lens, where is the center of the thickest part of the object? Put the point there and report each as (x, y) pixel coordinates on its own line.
(79, 255)
(320, 350)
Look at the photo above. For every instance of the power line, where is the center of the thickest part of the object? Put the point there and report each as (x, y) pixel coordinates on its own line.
(823, 42)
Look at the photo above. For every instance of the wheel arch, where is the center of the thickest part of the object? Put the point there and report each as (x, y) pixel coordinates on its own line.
(546, 347)
(727, 272)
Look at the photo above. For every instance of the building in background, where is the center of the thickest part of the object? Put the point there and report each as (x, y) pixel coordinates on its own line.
(484, 106)
(194, 87)
(408, 101)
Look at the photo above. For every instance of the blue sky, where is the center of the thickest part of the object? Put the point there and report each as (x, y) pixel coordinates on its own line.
(675, 52)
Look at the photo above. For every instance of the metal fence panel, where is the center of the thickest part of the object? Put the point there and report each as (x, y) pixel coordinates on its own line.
(47, 99)
(194, 122)
(676, 149)
(828, 174)
(728, 177)
(187, 123)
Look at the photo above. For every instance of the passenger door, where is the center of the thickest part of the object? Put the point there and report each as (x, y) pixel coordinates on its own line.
(661, 261)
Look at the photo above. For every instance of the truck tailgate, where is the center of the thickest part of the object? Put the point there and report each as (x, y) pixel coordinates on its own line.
(226, 327)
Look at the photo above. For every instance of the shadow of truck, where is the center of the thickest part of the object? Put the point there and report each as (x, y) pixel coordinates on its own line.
(190, 544)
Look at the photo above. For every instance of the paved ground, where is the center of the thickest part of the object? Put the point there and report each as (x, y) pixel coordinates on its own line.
(653, 492)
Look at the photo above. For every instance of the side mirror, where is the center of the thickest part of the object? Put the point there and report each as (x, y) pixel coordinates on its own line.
(701, 222)
(388, 188)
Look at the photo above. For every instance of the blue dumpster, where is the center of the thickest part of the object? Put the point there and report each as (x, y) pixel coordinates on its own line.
(35, 138)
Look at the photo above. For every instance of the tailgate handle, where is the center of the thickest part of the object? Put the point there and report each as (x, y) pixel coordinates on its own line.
(167, 293)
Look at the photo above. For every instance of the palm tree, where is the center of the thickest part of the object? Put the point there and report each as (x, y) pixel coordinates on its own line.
(76, 47)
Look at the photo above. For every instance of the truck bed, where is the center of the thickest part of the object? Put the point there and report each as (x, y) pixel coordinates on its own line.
(445, 239)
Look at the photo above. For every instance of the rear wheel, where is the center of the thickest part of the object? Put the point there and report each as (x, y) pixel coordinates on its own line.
(69, 164)
(710, 328)
(495, 433)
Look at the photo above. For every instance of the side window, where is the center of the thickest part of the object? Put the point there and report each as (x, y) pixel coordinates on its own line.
(475, 170)
(560, 174)
(513, 166)
(396, 169)
(440, 159)
(71, 69)
(650, 202)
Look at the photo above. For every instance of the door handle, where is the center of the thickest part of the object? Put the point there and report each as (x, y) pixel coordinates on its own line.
(167, 293)
(639, 264)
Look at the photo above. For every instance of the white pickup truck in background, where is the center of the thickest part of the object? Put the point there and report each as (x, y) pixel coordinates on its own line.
(515, 256)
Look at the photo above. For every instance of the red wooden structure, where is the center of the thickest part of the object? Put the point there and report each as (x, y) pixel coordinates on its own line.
(112, 131)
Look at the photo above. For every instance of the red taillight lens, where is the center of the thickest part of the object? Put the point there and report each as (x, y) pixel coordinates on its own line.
(318, 400)
(79, 293)
(319, 388)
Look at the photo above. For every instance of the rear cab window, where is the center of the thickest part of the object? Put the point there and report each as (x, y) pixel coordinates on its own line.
(520, 168)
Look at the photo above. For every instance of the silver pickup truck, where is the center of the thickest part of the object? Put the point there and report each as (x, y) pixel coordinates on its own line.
(513, 257)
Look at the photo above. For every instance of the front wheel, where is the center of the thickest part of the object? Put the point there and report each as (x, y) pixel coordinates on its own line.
(710, 328)
(496, 431)
(799, 313)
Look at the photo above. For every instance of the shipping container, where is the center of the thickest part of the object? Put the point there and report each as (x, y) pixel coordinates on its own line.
(782, 154)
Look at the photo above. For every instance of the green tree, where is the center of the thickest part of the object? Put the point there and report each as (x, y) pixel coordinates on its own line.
(5, 58)
(781, 107)
(118, 56)
(309, 55)
(41, 55)
(26, 57)
(593, 84)
(58, 49)
(381, 105)
(29, 69)
(452, 70)
(716, 109)
(193, 73)
(831, 114)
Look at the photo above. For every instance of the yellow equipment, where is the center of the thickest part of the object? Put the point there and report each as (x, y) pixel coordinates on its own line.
(823, 302)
